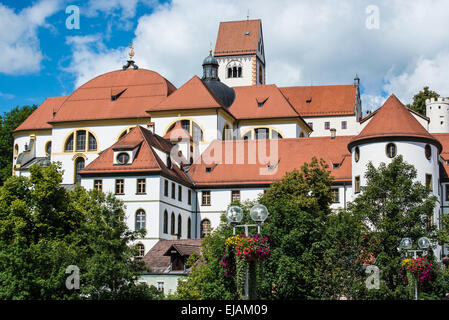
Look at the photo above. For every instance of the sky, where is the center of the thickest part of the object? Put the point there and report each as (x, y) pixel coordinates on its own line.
(393, 46)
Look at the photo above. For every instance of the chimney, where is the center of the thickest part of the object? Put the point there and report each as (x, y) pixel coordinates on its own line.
(333, 133)
(150, 126)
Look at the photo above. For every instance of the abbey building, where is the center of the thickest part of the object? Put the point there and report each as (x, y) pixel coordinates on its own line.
(178, 156)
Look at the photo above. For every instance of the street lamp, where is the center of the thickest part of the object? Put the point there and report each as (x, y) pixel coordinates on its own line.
(406, 245)
(258, 214)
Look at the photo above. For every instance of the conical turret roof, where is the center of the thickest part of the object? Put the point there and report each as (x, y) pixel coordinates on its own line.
(393, 121)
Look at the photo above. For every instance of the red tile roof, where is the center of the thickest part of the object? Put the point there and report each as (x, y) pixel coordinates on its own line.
(156, 258)
(140, 90)
(44, 113)
(393, 119)
(292, 153)
(272, 103)
(146, 159)
(311, 101)
(232, 38)
(193, 94)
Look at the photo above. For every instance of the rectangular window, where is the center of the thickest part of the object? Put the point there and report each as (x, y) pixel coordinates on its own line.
(179, 193)
(160, 285)
(335, 195)
(166, 188)
(80, 140)
(119, 186)
(327, 125)
(173, 191)
(98, 184)
(429, 182)
(141, 186)
(344, 124)
(189, 197)
(205, 198)
(235, 195)
(357, 185)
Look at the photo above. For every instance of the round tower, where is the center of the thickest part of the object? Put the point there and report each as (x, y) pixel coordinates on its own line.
(437, 110)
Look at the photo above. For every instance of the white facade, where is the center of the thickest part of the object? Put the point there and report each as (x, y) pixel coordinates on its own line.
(344, 125)
(438, 112)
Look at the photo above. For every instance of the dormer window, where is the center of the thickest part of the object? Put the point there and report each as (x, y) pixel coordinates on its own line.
(123, 158)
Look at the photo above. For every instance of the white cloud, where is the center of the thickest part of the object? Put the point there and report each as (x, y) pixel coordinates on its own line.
(7, 95)
(91, 58)
(323, 42)
(19, 43)
(432, 72)
(371, 102)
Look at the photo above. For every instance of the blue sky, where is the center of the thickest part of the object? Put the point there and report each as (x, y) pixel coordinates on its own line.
(394, 46)
(26, 88)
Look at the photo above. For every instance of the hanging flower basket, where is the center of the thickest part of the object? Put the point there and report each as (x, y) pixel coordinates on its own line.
(419, 267)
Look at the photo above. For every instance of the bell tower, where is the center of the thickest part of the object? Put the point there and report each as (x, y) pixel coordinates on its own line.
(240, 53)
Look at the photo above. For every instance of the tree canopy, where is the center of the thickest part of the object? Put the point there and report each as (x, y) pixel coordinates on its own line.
(419, 100)
(8, 122)
(44, 229)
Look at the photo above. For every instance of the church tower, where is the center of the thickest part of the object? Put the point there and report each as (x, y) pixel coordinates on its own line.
(240, 53)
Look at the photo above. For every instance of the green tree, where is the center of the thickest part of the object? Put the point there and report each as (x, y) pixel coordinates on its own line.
(8, 122)
(395, 206)
(312, 250)
(44, 229)
(419, 100)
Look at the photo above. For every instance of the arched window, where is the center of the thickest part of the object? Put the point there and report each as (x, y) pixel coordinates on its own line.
(79, 165)
(140, 250)
(192, 128)
(48, 149)
(165, 221)
(234, 69)
(124, 132)
(140, 219)
(428, 152)
(356, 154)
(172, 224)
(262, 133)
(390, 150)
(69, 144)
(205, 228)
(80, 140)
(179, 225)
(189, 228)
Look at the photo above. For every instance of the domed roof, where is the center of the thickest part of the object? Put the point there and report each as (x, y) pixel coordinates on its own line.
(115, 95)
(210, 59)
(393, 121)
(225, 94)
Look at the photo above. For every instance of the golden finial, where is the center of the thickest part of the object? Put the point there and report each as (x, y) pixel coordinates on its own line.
(210, 48)
(131, 52)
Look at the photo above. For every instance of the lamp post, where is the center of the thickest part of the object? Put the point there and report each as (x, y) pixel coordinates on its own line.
(406, 245)
(234, 215)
